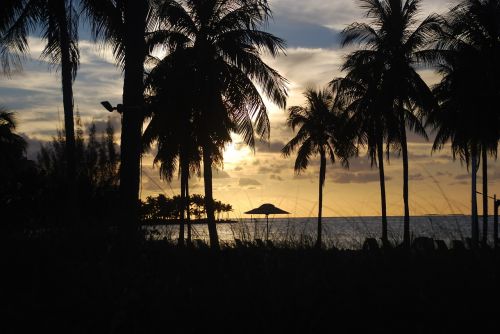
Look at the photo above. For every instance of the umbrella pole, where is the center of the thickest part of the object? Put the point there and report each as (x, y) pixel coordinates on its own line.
(267, 227)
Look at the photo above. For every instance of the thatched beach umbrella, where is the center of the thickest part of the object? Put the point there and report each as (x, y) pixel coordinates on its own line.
(266, 209)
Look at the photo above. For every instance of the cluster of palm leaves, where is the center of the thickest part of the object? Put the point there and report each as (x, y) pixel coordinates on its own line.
(382, 95)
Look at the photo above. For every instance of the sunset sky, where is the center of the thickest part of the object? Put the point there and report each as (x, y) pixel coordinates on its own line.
(438, 185)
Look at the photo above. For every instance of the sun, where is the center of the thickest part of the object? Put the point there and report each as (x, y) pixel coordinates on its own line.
(235, 153)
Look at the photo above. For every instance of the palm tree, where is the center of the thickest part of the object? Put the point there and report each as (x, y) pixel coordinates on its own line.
(321, 131)
(466, 54)
(171, 126)
(57, 21)
(124, 25)
(222, 45)
(393, 39)
(359, 91)
(456, 121)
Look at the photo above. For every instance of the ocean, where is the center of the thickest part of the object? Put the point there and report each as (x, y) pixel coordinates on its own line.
(341, 232)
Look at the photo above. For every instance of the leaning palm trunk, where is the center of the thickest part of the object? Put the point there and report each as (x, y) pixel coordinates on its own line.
(474, 218)
(485, 195)
(404, 150)
(209, 199)
(133, 90)
(380, 154)
(67, 88)
(322, 172)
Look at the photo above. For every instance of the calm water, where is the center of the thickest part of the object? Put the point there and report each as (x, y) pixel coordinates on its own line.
(343, 232)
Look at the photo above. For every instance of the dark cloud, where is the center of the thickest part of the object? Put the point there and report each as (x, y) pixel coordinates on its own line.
(101, 124)
(359, 177)
(272, 169)
(416, 177)
(276, 177)
(34, 145)
(272, 147)
(304, 34)
(220, 174)
(244, 182)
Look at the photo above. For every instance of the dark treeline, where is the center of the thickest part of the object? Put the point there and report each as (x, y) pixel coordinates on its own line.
(36, 194)
(162, 208)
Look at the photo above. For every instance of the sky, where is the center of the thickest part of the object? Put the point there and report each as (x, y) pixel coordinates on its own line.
(438, 185)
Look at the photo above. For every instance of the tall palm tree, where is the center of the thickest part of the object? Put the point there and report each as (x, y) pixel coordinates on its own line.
(393, 38)
(124, 25)
(466, 54)
(321, 132)
(171, 126)
(359, 91)
(456, 121)
(57, 22)
(223, 46)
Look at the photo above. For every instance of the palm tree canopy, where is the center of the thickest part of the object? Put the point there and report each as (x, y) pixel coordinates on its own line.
(20, 19)
(223, 42)
(466, 54)
(392, 41)
(321, 129)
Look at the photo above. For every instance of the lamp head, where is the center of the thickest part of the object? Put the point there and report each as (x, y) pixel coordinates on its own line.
(108, 106)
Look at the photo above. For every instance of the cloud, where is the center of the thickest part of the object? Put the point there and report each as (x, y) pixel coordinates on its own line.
(220, 174)
(359, 177)
(415, 177)
(34, 145)
(271, 147)
(276, 177)
(298, 33)
(245, 182)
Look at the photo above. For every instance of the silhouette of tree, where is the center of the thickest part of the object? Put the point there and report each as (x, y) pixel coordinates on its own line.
(466, 53)
(321, 131)
(97, 172)
(360, 93)
(124, 25)
(222, 47)
(171, 126)
(12, 146)
(393, 39)
(162, 208)
(57, 22)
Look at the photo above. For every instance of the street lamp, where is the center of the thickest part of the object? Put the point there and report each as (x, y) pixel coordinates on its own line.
(110, 108)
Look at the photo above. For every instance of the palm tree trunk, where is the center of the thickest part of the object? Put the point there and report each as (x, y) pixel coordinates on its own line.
(485, 195)
(133, 90)
(380, 153)
(188, 207)
(183, 204)
(209, 199)
(474, 218)
(67, 89)
(322, 172)
(404, 150)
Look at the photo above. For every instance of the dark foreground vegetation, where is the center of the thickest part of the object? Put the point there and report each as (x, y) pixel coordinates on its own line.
(91, 285)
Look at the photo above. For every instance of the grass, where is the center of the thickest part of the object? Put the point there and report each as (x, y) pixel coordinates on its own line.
(92, 284)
